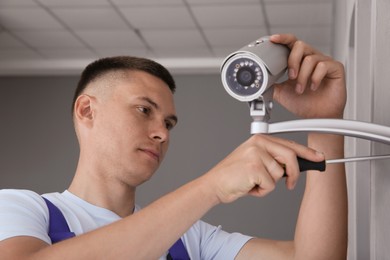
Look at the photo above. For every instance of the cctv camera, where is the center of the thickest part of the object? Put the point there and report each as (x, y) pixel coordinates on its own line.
(247, 73)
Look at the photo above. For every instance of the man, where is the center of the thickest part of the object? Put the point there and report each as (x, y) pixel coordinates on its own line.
(122, 118)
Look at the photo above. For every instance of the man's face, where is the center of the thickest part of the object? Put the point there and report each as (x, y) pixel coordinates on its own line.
(131, 127)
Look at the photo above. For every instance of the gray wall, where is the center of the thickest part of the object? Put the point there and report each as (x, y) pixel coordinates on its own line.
(39, 151)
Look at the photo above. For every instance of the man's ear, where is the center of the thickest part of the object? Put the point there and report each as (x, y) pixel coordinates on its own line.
(83, 109)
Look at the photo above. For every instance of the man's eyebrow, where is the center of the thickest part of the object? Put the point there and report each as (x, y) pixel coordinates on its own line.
(151, 102)
(156, 106)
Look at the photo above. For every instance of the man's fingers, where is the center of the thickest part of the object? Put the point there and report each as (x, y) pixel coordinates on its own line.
(299, 149)
(313, 69)
(286, 39)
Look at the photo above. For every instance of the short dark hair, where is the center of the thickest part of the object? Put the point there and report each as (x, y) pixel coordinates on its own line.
(121, 63)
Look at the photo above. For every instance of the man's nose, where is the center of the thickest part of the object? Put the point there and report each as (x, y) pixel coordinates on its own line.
(160, 132)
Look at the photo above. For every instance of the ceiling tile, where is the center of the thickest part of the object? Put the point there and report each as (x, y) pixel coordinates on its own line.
(299, 14)
(207, 2)
(296, 1)
(14, 54)
(194, 52)
(18, 3)
(74, 3)
(90, 18)
(228, 16)
(147, 3)
(173, 17)
(64, 53)
(15, 19)
(32, 29)
(107, 52)
(223, 52)
(110, 38)
(163, 39)
(50, 39)
(7, 41)
(233, 37)
(314, 35)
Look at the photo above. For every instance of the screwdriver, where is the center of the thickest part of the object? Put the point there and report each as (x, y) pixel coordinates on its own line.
(305, 165)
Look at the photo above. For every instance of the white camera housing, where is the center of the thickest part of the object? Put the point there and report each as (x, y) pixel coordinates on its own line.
(249, 72)
(248, 75)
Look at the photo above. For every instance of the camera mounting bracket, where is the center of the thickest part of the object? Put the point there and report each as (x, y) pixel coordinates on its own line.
(260, 110)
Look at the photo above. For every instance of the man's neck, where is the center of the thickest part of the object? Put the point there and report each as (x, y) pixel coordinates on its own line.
(117, 197)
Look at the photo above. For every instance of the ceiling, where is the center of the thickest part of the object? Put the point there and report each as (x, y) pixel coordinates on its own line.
(188, 36)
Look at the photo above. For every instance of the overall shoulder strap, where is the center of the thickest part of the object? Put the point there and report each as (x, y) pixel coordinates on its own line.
(59, 230)
(178, 251)
(58, 227)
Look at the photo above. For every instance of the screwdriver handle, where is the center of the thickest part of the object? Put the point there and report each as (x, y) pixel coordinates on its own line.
(305, 165)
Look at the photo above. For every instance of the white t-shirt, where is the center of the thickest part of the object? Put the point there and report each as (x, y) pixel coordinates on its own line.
(24, 213)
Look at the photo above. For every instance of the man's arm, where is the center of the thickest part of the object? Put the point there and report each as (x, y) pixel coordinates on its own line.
(250, 169)
(321, 231)
(322, 223)
(316, 89)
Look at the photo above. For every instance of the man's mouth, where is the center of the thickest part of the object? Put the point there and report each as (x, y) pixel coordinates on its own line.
(152, 153)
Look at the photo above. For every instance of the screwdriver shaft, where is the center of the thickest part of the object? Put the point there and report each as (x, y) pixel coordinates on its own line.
(357, 159)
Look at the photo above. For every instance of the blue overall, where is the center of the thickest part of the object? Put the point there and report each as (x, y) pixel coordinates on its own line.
(59, 230)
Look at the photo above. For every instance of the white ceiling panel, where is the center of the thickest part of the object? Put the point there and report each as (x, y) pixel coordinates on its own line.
(106, 52)
(7, 41)
(224, 51)
(147, 3)
(297, 1)
(228, 16)
(159, 39)
(207, 2)
(320, 37)
(74, 3)
(306, 14)
(180, 52)
(233, 37)
(174, 17)
(63, 53)
(49, 39)
(90, 18)
(58, 34)
(15, 19)
(316, 35)
(16, 54)
(110, 38)
(17, 3)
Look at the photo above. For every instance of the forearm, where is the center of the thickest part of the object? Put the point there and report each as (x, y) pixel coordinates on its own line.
(146, 234)
(322, 228)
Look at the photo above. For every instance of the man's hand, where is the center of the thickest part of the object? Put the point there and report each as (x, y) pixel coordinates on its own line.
(255, 167)
(316, 85)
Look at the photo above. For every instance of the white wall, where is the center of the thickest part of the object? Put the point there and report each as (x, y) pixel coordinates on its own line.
(363, 40)
(381, 107)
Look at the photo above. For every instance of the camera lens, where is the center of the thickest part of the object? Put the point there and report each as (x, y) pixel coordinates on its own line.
(246, 76)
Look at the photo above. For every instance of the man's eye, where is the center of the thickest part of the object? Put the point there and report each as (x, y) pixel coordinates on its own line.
(169, 125)
(144, 110)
